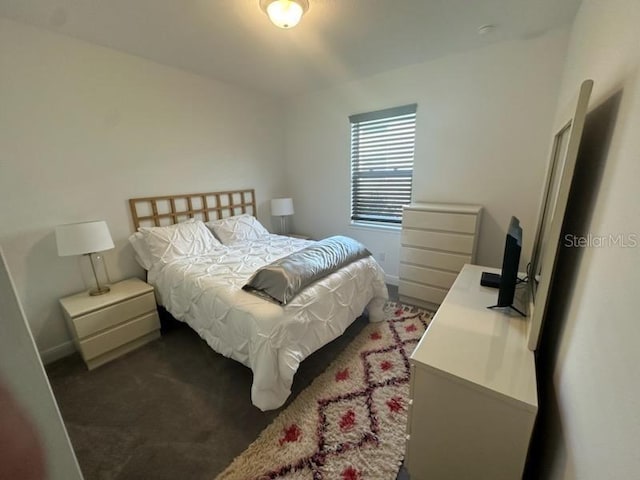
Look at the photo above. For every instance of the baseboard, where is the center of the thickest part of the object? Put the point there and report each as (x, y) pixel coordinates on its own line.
(391, 279)
(56, 353)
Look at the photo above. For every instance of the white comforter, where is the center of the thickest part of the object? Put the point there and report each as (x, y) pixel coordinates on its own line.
(206, 292)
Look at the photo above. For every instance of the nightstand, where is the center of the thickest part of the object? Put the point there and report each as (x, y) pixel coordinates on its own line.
(107, 326)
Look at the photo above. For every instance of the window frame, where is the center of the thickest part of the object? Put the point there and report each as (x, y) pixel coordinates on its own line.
(372, 125)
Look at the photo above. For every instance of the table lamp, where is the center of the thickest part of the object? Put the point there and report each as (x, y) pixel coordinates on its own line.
(85, 238)
(282, 207)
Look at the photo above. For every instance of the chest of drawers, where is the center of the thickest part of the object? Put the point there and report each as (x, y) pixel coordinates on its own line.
(437, 241)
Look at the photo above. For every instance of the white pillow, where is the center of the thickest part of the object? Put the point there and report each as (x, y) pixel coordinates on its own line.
(170, 243)
(143, 255)
(238, 228)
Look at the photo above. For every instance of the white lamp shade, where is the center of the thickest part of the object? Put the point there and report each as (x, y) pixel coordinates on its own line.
(281, 207)
(81, 238)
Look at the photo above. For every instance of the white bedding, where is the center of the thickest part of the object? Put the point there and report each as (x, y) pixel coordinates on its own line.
(205, 291)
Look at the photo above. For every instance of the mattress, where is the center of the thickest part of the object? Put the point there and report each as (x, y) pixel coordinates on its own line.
(205, 291)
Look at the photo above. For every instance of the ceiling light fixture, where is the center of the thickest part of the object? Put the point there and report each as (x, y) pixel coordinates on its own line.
(285, 13)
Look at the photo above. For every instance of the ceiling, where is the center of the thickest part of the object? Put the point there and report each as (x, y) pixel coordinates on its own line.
(337, 40)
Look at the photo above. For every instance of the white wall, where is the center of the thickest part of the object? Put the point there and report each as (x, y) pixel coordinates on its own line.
(483, 125)
(83, 128)
(591, 421)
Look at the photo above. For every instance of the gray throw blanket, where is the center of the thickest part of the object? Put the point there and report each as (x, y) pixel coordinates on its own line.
(285, 278)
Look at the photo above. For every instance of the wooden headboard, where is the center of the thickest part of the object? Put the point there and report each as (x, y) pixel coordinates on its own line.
(170, 209)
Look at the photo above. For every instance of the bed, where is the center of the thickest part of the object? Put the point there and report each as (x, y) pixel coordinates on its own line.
(200, 282)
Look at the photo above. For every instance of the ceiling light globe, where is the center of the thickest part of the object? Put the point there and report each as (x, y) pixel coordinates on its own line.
(285, 13)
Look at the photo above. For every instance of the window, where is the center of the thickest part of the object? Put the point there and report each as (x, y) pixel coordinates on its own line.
(382, 148)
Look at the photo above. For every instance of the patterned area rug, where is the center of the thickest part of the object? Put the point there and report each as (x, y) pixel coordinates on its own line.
(350, 423)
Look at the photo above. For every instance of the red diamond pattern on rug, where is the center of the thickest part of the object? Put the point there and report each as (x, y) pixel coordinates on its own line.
(344, 423)
(351, 473)
(409, 329)
(385, 365)
(350, 422)
(395, 405)
(342, 375)
(290, 434)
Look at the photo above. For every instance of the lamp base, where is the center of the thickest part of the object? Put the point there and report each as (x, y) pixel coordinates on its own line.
(99, 291)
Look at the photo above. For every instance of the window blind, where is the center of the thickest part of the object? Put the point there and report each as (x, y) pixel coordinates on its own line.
(382, 150)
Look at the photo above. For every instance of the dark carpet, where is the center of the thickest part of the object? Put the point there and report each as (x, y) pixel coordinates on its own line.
(173, 409)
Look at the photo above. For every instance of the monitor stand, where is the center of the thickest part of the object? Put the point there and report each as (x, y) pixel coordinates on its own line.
(508, 306)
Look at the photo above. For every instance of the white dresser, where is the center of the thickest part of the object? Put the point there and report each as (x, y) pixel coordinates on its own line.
(473, 389)
(437, 240)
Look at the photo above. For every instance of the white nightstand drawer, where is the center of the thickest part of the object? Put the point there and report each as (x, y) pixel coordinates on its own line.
(94, 322)
(103, 342)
